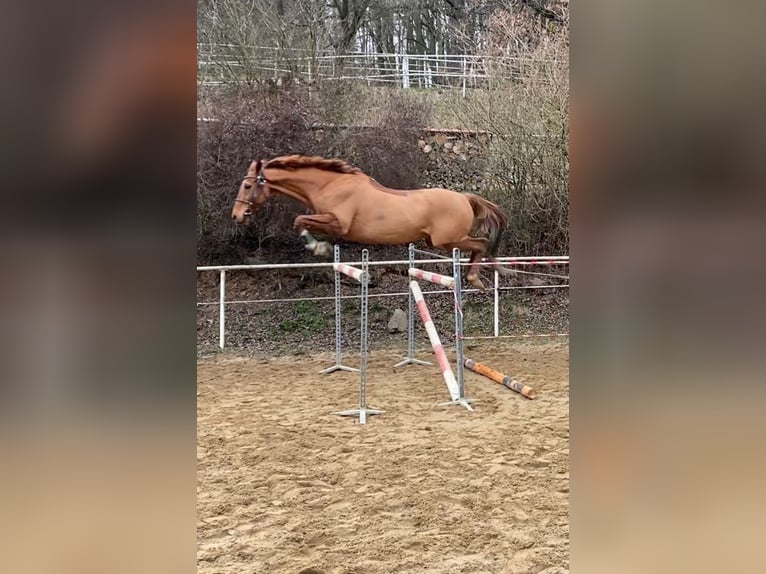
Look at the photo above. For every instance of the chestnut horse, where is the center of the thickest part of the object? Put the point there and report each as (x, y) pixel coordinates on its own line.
(351, 205)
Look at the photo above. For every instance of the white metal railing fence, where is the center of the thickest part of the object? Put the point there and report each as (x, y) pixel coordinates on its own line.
(221, 64)
(496, 289)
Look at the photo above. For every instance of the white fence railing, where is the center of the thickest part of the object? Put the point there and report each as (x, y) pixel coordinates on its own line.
(496, 289)
(221, 64)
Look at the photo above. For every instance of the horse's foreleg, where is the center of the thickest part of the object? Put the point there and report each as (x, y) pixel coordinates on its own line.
(325, 223)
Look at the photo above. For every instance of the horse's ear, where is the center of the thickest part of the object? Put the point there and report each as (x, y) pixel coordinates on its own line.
(258, 165)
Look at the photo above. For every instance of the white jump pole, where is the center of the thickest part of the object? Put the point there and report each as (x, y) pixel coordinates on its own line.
(363, 276)
(222, 310)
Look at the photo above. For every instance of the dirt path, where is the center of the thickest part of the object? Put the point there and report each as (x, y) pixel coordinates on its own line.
(285, 485)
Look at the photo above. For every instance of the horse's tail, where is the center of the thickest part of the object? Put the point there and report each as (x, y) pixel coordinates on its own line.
(491, 221)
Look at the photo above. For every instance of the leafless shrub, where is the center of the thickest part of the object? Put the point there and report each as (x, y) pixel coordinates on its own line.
(528, 160)
(251, 126)
(387, 149)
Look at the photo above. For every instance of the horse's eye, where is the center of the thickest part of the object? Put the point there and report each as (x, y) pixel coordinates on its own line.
(248, 185)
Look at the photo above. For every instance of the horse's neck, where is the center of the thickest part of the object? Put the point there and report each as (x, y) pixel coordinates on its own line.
(298, 186)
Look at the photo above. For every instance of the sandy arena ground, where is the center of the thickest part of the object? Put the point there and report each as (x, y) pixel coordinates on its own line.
(285, 486)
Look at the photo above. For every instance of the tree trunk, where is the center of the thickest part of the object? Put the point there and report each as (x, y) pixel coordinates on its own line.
(351, 14)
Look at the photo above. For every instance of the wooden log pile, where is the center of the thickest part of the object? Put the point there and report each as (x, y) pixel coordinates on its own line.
(455, 158)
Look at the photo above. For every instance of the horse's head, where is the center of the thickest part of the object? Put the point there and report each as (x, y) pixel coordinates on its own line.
(253, 192)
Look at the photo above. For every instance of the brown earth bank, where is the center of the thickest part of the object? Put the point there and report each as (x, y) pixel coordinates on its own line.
(284, 485)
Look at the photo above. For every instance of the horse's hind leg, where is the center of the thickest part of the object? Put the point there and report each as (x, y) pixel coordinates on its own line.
(325, 223)
(478, 247)
(473, 270)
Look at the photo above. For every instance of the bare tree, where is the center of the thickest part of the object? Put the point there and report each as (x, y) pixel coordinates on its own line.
(351, 14)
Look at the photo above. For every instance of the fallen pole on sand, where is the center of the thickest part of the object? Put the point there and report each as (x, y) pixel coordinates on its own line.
(499, 377)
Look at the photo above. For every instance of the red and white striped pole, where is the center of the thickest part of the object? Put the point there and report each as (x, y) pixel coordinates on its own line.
(442, 280)
(436, 344)
(352, 272)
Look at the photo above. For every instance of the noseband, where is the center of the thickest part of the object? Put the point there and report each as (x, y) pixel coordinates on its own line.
(260, 179)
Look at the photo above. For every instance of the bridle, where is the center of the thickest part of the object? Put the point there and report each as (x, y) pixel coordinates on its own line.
(260, 179)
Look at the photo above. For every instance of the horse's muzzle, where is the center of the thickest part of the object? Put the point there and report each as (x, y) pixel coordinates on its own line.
(243, 219)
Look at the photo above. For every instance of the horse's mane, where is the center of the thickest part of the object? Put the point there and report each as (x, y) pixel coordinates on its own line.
(291, 162)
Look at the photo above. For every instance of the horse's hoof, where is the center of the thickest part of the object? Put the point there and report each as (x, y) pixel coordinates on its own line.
(476, 282)
(323, 249)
